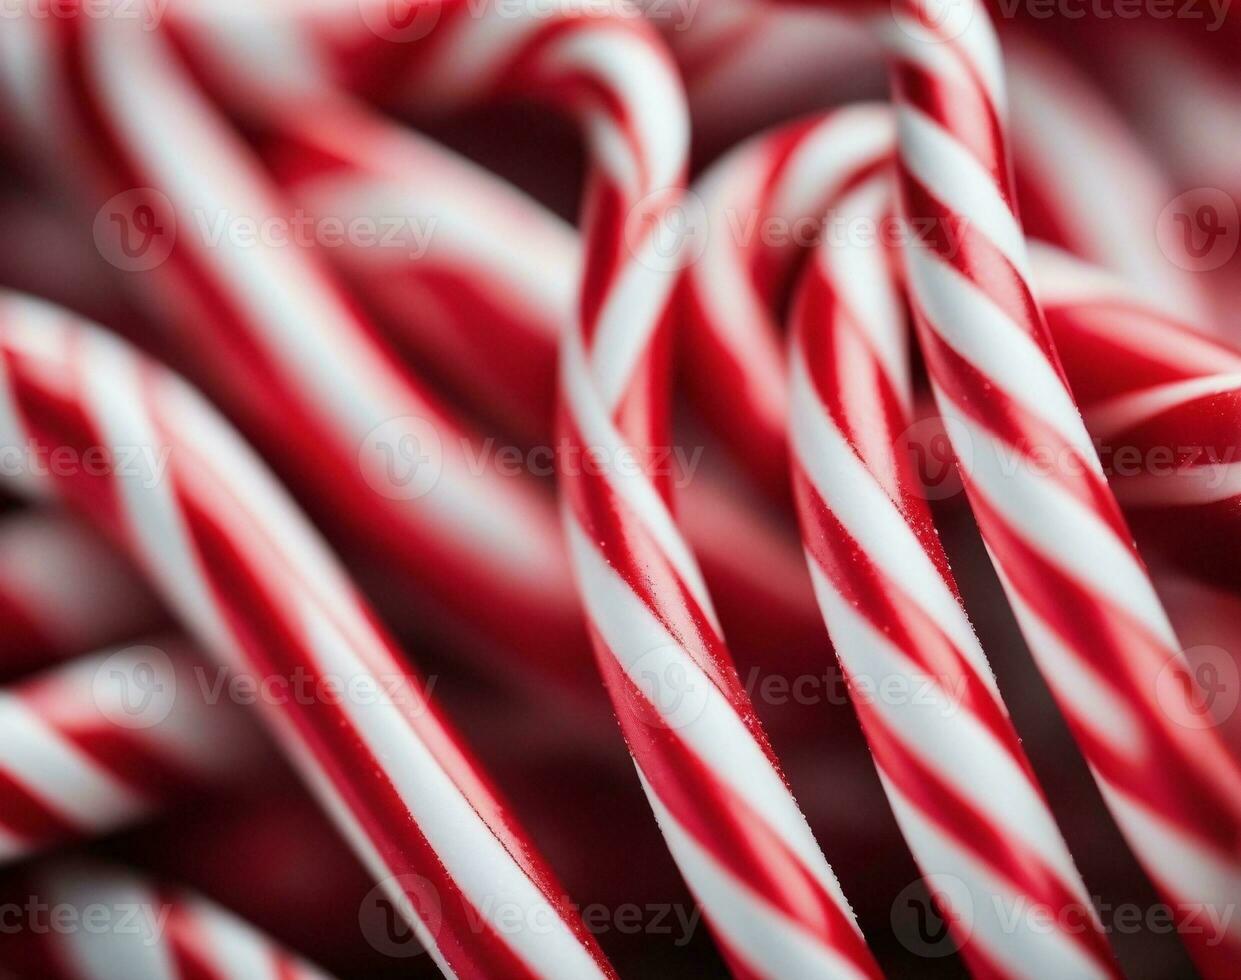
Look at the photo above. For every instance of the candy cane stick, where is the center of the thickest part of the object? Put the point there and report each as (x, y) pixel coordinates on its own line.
(338, 160)
(256, 586)
(64, 591)
(728, 817)
(755, 199)
(1162, 400)
(962, 789)
(1066, 558)
(106, 740)
(124, 925)
(271, 335)
(480, 280)
(513, 256)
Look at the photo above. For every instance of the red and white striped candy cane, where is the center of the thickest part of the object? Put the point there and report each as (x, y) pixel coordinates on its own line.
(106, 740)
(1162, 400)
(961, 788)
(256, 586)
(1056, 534)
(496, 250)
(64, 591)
(125, 925)
(264, 327)
(763, 203)
(480, 280)
(728, 817)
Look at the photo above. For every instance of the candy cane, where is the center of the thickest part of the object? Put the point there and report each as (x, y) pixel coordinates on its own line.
(1068, 565)
(256, 586)
(513, 256)
(1132, 638)
(480, 280)
(123, 924)
(64, 591)
(727, 815)
(270, 334)
(106, 740)
(952, 765)
(725, 825)
(754, 200)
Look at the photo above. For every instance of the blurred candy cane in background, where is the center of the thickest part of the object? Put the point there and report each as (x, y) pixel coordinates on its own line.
(622, 359)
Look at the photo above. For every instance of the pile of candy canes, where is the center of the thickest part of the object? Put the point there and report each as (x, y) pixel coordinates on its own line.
(359, 377)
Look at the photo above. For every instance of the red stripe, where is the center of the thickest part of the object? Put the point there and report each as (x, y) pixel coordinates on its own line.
(25, 815)
(900, 620)
(978, 834)
(628, 548)
(54, 418)
(1031, 448)
(723, 822)
(961, 110)
(23, 643)
(1195, 788)
(274, 649)
(188, 946)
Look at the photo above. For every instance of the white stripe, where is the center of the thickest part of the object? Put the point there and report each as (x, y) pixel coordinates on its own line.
(231, 946)
(934, 726)
(110, 388)
(627, 321)
(848, 139)
(849, 490)
(1201, 877)
(628, 67)
(468, 229)
(635, 488)
(969, 322)
(1112, 195)
(964, 185)
(1067, 532)
(25, 320)
(771, 945)
(60, 775)
(1012, 928)
(1084, 694)
(1194, 486)
(859, 273)
(697, 711)
(485, 871)
(135, 945)
(1111, 417)
(76, 588)
(26, 71)
(342, 818)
